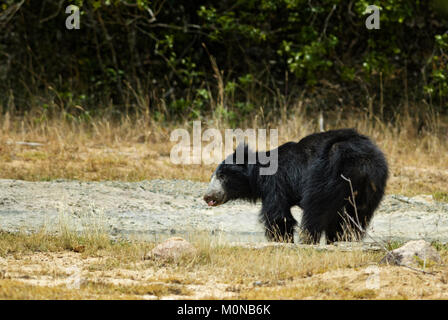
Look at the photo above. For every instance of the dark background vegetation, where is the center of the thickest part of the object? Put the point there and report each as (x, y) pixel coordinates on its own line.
(176, 59)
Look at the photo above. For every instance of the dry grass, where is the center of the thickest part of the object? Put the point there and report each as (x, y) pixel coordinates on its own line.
(32, 270)
(137, 149)
(67, 264)
(38, 266)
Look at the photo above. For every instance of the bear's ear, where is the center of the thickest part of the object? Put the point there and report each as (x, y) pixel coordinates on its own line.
(243, 146)
(244, 155)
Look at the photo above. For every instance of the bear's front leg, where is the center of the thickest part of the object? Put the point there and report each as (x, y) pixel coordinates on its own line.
(278, 221)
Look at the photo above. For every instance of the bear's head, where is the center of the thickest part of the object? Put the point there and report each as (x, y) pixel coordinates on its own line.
(231, 179)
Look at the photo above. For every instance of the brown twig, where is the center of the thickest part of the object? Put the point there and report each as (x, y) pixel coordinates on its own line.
(378, 242)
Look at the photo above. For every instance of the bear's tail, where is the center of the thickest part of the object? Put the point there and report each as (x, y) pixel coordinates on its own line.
(342, 135)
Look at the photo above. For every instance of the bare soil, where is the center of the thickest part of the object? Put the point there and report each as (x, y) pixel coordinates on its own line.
(153, 210)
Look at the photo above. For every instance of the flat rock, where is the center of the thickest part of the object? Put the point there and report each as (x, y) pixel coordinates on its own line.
(172, 249)
(413, 253)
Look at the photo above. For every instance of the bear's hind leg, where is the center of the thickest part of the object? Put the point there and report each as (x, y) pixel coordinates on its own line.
(340, 230)
(350, 225)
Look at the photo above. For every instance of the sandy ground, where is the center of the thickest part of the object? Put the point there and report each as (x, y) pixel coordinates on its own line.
(156, 209)
(153, 210)
(68, 271)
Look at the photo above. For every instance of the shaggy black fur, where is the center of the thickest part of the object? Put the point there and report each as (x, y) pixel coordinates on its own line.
(309, 175)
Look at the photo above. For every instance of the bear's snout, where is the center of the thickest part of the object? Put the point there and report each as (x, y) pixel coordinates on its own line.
(214, 199)
(211, 201)
(215, 194)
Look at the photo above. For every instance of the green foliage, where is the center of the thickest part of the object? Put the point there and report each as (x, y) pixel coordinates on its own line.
(441, 196)
(394, 244)
(160, 55)
(438, 86)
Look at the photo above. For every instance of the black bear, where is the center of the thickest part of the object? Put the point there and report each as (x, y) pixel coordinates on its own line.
(337, 177)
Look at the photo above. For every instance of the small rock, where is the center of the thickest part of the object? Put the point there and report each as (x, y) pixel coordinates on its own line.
(79, 249)
(173, 248)
(413, 253)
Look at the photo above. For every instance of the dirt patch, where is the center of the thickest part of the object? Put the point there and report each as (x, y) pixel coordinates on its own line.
(384, 282)
(68, 271)
(156, 209)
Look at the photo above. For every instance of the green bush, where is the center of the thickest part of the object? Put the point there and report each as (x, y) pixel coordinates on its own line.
(232, 57)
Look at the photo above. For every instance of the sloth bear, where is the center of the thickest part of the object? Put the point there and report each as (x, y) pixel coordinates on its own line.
(337, 177)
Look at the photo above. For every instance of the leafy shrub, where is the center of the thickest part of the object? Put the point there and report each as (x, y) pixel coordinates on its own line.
(199, 56)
